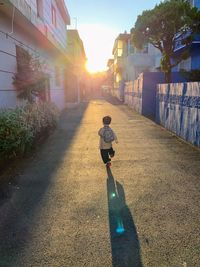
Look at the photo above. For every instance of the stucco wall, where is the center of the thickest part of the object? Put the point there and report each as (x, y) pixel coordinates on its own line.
(133, 95)
(141, 94)
(8, 44)
(44, 23)
(178, 109)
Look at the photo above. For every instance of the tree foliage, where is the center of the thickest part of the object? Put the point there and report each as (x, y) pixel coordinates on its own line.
(170, 22)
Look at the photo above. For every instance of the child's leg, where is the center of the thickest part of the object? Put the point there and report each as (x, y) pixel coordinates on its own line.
(104, 155)
(111, 152)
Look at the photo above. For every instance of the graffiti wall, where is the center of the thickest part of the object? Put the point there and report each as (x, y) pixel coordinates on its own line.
(178, 109)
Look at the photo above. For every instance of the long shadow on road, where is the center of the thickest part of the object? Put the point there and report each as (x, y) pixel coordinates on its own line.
(23, 204)
(123, 235)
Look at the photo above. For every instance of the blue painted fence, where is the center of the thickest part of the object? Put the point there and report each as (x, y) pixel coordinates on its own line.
(178, 109)
(141, 93)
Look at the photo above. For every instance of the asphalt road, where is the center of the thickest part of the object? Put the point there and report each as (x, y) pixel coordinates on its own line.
(63, 208)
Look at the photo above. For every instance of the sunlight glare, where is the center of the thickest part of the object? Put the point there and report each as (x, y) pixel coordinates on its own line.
(98, 42)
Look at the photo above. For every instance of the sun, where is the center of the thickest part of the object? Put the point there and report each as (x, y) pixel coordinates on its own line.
(93, 68)
(98, 42)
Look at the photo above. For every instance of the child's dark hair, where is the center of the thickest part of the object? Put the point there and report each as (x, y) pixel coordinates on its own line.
(107, 120)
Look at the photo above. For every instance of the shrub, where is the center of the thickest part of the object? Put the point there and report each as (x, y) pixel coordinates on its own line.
(21, 126)
(15, 133)
(41, 117)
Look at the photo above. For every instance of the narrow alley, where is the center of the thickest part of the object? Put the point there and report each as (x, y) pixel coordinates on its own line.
(65, 209)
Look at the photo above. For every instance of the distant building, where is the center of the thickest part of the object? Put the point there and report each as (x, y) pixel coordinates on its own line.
(195, 3)
(76, 73)
(109, 75)
(39, 28)
(120, 54)
(138, 61)
(193, 61)
(129, 62)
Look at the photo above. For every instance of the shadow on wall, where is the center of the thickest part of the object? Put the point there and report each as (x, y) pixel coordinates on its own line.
(123, 235)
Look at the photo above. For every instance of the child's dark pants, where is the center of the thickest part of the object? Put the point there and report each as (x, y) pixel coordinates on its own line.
(106, 153)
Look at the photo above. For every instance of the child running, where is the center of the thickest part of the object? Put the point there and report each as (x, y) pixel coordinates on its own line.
(107, 136)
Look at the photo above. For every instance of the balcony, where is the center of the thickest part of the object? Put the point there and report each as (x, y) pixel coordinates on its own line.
(119, 62)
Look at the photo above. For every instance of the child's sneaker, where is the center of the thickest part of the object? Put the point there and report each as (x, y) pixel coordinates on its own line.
(108, 164)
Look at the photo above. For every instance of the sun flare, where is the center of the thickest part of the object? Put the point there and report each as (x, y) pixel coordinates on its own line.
(93, 68)
(98, 42)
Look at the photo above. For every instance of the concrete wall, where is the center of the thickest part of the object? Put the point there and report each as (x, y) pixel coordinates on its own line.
(178, 109)
(137, 63)
(141, 94)
(133, 95)
(57, 35)
(50, 58)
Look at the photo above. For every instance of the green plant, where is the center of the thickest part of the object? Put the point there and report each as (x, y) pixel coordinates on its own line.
(41, 117)
(22, 126)
(15, 133)
(169, 22)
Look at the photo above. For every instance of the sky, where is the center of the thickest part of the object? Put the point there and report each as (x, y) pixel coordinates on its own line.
(99, 22)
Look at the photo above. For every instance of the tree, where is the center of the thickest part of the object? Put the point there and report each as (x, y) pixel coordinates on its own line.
(170, 22)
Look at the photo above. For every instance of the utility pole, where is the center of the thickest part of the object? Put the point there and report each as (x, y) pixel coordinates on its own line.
(75, 19)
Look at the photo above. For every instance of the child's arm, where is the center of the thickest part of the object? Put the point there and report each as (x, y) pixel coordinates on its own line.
(115, 136)
(100, 132)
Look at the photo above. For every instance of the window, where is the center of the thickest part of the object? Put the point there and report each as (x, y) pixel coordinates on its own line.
(53, 15)
(22, 58)
(119, 48)
(57, 76)
(39, 8)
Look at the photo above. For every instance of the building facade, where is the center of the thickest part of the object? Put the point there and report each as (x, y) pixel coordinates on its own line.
(193, 61)
(138, 61)
(108, 88)
(36, 27)
(195, 3)
(120, 53)
(129, 62)
(75, 85)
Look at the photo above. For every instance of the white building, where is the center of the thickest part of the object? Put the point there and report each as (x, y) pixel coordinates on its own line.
(138, 61)
(39, 27)
(129, 62)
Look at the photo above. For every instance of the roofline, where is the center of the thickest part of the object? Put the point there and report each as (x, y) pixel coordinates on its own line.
(121, 36)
